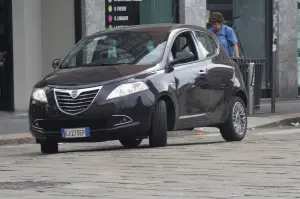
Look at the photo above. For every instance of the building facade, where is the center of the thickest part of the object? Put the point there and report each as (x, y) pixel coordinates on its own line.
(34, 32)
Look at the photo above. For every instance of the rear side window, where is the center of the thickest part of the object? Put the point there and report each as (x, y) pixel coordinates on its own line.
(207, 44)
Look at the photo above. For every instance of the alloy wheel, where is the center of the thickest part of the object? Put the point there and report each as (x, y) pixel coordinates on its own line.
(239, 118)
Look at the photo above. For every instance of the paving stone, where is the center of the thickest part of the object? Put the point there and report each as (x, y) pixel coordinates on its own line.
(264, 165)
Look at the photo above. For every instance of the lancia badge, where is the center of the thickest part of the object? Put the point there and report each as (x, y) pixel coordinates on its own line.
(74, 94)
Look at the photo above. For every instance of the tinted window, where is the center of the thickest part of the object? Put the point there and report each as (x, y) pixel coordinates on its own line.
(207, 44)
(118, 47)
(183, 43)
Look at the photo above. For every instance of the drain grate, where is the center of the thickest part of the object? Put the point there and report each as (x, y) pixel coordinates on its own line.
(21, 185)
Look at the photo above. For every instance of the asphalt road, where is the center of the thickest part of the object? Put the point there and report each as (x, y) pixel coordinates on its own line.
(265, 165)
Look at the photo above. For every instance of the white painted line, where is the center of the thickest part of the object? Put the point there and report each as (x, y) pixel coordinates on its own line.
(280, 132)
(274, 132)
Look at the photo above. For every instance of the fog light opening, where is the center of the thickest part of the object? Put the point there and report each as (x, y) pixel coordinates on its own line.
(122, 120)
(37, 125)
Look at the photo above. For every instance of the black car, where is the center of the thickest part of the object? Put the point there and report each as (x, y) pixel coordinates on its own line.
(139, 82)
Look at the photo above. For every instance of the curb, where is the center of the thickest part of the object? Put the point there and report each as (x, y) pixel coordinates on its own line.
(17, 139)
(26, 138)
(181, 133)
(21, 139)
(283, 122)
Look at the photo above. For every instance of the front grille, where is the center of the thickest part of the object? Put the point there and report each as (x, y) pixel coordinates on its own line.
(55, 125)
(73, 105)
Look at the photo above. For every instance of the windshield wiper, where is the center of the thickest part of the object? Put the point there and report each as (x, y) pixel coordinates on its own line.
(93, 65)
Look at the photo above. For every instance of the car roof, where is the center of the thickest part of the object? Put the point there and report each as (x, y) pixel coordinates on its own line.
(152, 27)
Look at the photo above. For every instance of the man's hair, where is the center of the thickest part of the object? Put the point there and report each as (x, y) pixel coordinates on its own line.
(216, 17)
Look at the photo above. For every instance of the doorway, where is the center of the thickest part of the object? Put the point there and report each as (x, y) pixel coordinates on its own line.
(6, 57)
(252, 21)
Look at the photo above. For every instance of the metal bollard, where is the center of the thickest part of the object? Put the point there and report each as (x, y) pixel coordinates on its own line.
(250, 88)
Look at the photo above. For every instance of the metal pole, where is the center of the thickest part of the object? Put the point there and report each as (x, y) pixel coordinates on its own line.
(273, 102)
(274, 52)
(250, 89)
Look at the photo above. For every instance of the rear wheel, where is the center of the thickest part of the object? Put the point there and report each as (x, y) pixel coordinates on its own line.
(131, 143)
(159, 127)
(235, 126)
(49, 147)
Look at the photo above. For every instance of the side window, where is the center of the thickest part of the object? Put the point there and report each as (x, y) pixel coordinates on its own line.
(184, 46)
(207, 44)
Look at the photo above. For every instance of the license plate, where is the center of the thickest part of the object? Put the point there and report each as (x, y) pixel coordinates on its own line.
(75, 133)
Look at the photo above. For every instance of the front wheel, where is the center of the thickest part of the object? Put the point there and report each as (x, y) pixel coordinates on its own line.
(49, 147)
(159, 127)
(235, 126)
(131, 143)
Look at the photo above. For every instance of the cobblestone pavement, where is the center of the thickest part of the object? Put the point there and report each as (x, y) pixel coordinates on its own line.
(264, 165)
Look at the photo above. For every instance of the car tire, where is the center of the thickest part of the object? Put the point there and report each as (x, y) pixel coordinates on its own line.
(235, 126)
(159, 126)
(131, 143)
(49, 147)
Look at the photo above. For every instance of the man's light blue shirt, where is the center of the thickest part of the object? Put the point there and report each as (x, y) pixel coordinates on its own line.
(229, 42)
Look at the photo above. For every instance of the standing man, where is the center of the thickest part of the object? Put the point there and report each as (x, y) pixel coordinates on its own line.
(225, 34)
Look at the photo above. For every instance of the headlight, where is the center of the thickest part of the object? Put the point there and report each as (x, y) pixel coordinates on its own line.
(39, 95)
(127, 89)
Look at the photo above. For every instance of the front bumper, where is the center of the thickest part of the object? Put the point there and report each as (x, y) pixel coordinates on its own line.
(115, 119)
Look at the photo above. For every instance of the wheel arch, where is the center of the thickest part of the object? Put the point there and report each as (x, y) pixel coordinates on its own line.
(236, 93)
(243, 95)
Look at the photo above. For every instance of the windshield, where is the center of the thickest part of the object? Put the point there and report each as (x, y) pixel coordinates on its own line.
(118, 47)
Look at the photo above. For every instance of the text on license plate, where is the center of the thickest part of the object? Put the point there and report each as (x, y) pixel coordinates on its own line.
(75, 133)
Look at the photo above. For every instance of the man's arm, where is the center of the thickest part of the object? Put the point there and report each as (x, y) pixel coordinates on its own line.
(233, 40)
(236, 50)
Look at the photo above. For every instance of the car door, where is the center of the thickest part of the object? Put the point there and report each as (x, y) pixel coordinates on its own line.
(191, 81)
(218, 74)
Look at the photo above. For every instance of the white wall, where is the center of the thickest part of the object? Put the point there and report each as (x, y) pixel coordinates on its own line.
(27, 46)
(192, 12)
(58, 31)
(42, 30)
(93, 19)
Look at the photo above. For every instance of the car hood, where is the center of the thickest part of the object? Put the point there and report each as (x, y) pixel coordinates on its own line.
(91, 75)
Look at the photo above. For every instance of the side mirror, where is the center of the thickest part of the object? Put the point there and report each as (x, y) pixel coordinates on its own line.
(182, 57)
(56, 63)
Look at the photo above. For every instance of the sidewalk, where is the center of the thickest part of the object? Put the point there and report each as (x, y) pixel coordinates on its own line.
(14, 126)
(11, 123)
(282, 106)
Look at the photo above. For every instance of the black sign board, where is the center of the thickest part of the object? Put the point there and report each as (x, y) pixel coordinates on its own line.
(122, 13)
